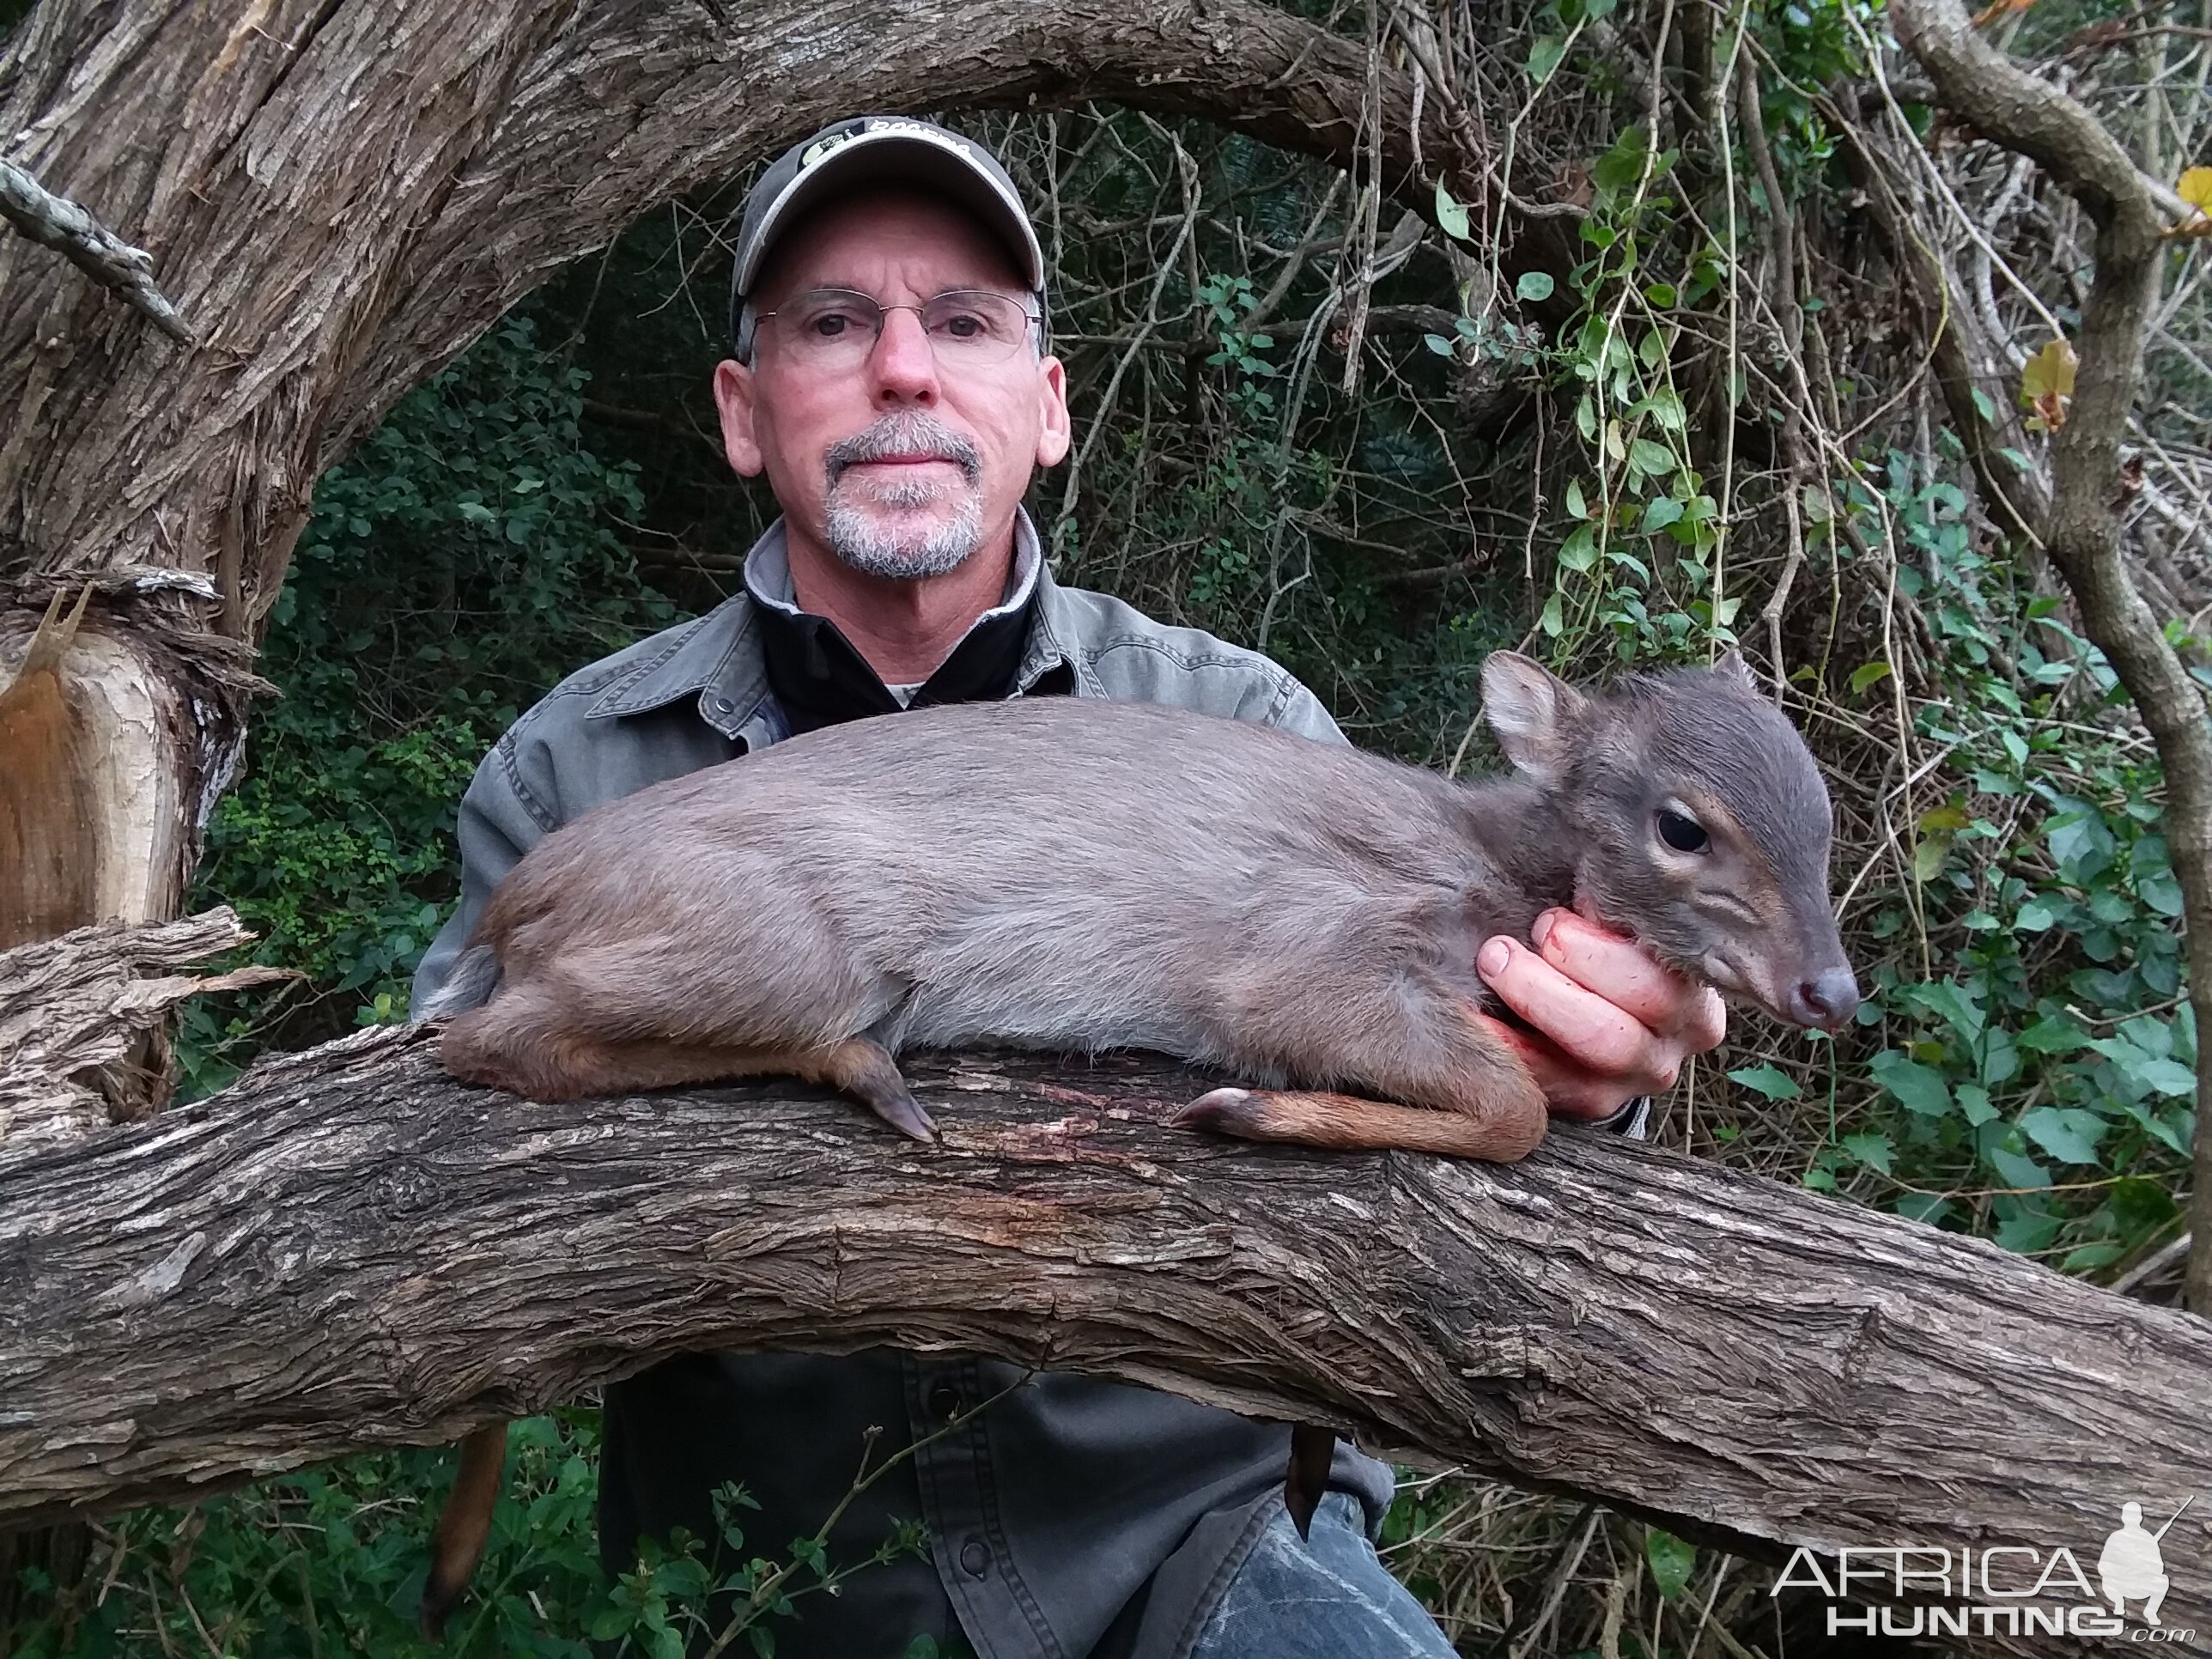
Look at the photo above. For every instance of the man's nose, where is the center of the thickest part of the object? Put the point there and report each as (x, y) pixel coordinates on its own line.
(903, 364)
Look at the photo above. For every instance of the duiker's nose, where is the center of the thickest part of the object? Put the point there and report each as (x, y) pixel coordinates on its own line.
(1827, 1001)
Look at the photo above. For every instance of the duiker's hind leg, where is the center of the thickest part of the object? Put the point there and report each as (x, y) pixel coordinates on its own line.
(1354, 1123)
(1467, 1093)
(545, 1066)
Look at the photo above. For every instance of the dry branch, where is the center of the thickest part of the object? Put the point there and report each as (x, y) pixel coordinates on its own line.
(91, 246)
(73, 1010)
(348, 1250)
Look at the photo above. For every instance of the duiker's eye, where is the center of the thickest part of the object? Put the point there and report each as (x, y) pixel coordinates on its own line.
(1684, 835)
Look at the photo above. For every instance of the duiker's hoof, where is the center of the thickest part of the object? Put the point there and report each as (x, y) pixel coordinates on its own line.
(903, 1113)
(1225, 1111)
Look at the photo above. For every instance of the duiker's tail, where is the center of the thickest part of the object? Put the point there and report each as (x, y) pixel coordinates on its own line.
(468, 986)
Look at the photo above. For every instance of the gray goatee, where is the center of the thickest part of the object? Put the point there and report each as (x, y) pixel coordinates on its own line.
(856, 532)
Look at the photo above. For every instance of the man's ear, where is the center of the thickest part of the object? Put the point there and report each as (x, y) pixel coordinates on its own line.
(1055, 430)
(1533, 711)
(735, 402)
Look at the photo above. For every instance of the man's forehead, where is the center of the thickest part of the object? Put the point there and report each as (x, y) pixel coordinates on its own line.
(907, 238)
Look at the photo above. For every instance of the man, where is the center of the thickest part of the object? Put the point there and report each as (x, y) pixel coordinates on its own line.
(890, 381)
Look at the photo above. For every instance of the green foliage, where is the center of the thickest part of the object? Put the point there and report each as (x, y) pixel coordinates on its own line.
(2038, 1063)
(332, 1561)
(457, 565)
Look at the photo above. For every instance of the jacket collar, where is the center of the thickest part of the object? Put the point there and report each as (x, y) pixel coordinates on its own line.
(720, 660)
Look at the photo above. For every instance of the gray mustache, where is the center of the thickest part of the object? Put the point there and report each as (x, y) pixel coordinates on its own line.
(904, 434)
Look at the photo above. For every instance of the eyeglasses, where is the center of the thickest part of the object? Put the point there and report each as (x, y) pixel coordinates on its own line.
(835, 328)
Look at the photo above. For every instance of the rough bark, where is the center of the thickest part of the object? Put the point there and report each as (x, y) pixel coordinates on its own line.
(75, 1011)
(2009, 106)
(348, 1249)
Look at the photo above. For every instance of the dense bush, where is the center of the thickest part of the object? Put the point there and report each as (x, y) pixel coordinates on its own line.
(459, 563)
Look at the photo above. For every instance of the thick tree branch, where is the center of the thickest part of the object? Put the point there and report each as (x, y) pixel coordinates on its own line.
(2011, 108)
(348, 1249)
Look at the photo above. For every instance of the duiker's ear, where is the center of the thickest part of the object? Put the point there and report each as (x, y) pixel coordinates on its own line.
(1530, 708)
(1732, 667)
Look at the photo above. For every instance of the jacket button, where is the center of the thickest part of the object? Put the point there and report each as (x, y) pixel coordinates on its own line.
(974, 1559)
(944, 1402)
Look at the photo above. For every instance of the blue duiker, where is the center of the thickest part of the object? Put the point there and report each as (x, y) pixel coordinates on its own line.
(1073, 874)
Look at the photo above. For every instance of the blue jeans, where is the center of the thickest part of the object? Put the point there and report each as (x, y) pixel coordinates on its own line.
(1328, 1597)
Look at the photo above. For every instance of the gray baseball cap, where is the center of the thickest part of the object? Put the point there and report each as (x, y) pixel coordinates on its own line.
(864, 150)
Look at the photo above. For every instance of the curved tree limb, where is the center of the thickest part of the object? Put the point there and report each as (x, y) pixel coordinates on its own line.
(348, 1249)
(2013, 108)
(346, 232)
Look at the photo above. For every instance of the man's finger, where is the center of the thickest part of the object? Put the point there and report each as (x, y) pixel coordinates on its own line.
(1597, 1035)
(1623, 973)
(1570, 1090)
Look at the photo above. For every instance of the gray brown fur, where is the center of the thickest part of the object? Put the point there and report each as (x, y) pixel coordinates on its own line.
(1079, 874)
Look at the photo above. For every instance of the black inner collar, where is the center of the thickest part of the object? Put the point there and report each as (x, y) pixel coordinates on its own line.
(821, 679)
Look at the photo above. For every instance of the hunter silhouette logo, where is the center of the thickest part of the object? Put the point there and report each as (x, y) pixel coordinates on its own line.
(2131, 1567)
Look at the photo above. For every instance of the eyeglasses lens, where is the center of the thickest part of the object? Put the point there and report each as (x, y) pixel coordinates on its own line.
(835, 328)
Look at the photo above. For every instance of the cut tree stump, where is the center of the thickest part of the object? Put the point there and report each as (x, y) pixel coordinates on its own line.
(348, 1249)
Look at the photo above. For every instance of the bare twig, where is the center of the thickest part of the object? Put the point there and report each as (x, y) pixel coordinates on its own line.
(55, 222)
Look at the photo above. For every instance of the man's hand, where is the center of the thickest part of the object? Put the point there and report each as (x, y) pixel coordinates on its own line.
(1611, 1023)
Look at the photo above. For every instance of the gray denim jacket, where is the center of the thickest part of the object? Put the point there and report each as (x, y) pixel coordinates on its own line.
(1074, 1516)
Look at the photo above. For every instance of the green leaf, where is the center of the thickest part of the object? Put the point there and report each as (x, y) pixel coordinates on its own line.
(2140, 1205)
(1665, 408)
(1437, 344)
(1950, 1004)
(2086, 1257)
(2034, 917)
(2054, 1033)
(1577, 503)
(1985, 406)
(1661, 294)
(1544, 57)
(1580, 551)
(1916, 1087)
(2169, 1076)
(1644, 456)
(1553, 620)
(1866, 674)
(1769, 1080)
(1451, 216)
(1534, 286)
(1871, 1150)
(2059, 1134)
(1672, 1562)
(1660, 512)
(2016, 1170)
